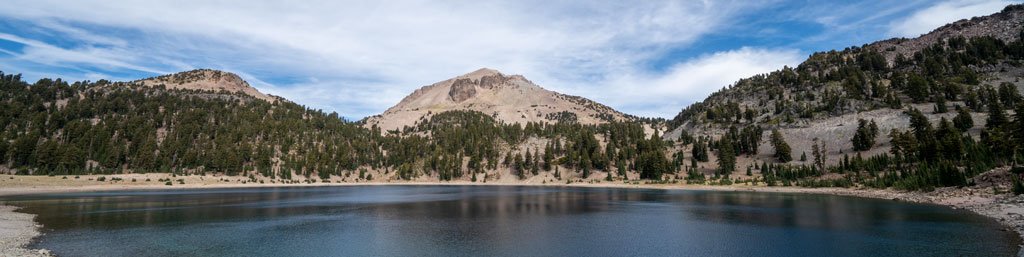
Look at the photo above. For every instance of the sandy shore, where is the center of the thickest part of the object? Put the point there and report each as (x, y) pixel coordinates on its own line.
(18, 229)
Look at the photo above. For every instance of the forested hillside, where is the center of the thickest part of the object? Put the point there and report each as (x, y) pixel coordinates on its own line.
(56, 127)
(941, 103)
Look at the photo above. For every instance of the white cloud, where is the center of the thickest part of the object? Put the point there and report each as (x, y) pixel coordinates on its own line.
(930, 18)
(664, 94)
(358, 58)
(40, 52)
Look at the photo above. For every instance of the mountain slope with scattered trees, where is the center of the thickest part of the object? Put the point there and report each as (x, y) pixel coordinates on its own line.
(910, 113)
(56, 127)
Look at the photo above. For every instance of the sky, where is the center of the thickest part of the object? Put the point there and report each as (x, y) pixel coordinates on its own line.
(357, 58)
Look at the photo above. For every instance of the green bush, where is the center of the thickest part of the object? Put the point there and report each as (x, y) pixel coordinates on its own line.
(1018, 186)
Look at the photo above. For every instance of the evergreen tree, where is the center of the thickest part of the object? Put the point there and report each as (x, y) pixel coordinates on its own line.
(819, 154)
(782, 151)
(726, 156)
(548, 157)
(864, 137)
(1018, 128)
(917, 87)
(963, 120)
(996, 115)
(700, 151)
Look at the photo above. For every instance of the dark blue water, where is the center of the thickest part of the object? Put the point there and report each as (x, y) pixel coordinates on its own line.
(501, 221)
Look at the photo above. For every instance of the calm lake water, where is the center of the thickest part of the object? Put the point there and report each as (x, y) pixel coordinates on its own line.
(501, 221)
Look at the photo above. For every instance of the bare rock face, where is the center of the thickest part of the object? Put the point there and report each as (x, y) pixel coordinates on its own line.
(492, 81)
(462, 89)
(206, 80)
(507, 98)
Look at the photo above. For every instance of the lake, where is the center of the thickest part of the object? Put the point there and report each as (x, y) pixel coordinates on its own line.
(404, 220)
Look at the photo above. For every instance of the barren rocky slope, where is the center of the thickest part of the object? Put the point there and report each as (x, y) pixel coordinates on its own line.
(507, 98)
(1004, 25)
(206, 80)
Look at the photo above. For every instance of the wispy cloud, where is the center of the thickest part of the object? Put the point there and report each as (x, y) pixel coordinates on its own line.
(355, 47)
(360, 57)
(941, 13)
(41, 52)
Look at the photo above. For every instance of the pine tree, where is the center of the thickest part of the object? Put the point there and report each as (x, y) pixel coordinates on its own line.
(963, 120)
(996, 115)
(726, 156)
(548, 157)
(819, 154)
(917, 87)
(924, 135)
(782, 150)
(865, 136)
(518, 166)
(700, 151)
(1018, 126)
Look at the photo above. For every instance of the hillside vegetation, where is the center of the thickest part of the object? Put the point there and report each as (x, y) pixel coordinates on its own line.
(56, 127)
(873, 116)
(912, 114)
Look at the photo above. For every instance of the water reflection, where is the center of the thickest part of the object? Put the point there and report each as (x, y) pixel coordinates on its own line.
(501, 221)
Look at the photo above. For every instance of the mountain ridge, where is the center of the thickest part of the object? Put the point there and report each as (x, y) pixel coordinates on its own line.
(1006, 25)
(508, 98)
(206, 80)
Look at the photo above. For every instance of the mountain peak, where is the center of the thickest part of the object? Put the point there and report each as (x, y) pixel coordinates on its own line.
(508, 98)
(205, 80)
(482, 72)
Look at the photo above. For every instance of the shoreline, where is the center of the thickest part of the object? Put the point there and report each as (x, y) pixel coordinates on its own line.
(17, 229)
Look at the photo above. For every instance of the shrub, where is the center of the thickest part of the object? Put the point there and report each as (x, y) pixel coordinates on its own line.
(101, 178)
(1018, 186)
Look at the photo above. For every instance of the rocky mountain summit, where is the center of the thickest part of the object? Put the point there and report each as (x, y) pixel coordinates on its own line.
(507, 98)
(1005, 25)
(206, 80)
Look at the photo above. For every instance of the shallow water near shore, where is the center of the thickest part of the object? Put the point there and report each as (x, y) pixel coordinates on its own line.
(405, 220)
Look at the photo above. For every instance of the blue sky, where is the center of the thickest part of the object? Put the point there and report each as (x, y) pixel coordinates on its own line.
(649, 58)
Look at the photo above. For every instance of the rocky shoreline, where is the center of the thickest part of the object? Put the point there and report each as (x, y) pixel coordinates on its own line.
(16, 232)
